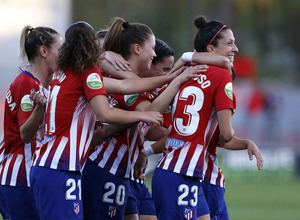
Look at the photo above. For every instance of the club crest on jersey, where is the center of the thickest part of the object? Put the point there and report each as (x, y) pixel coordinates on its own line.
(93, 81)
(228, 90)
(168, 110)
(76, 208)
(26, 103)
(188, 213)
(130, 99)
(112, 211)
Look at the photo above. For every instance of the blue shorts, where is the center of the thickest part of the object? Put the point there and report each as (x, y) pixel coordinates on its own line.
(19, 202)
(215, 199)
(3, 207)
(177, 196)
(143, 199)
(57, 193)
(104, 194)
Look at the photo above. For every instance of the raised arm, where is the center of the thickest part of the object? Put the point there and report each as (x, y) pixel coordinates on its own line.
(29, 128)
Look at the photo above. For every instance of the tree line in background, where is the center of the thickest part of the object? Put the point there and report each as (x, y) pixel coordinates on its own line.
(267, 30)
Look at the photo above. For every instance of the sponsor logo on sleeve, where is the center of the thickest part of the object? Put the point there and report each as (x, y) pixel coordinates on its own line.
(228, 90)
(93, 81)
(26, 103)
(131, 99)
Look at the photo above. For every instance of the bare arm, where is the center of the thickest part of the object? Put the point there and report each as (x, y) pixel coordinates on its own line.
(162, 102)
(131, 86)
(106, 131)
(104, 113)
(225, 126)
(107, 67)
(242, 144)
(29, 128)
(114, 60)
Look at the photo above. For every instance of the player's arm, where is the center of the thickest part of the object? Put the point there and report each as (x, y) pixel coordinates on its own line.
(225, 126)
(242, 144)
(29, 128)
(108, 68)
(107, 130)
(141, 162)
(114, 61)
(105, 113)
(204, 58)
(162, 102)
(135, 85)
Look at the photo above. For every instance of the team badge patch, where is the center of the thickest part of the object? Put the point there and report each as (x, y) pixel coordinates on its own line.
(26, 103)
(189, 213)
(112, 211)
(93, 81)
(130, 99)
(76, 208)
(228, 90)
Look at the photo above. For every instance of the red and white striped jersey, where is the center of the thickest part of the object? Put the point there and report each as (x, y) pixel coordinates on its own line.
(70, 120)
(212, 172)
(16, 156)
(119, 153)
(185, 147)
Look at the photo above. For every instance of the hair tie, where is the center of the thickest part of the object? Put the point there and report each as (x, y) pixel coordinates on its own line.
(125, 25)
(216, 34)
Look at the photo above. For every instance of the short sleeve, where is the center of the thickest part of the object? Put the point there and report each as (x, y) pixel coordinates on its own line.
(93, 83)
(223, 98)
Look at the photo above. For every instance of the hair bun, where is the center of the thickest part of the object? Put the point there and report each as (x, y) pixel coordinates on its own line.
(125, 24)
(200, 22)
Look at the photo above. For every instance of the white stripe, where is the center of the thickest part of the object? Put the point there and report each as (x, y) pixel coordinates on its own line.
(15, 171)
(73, 142)
(46, 154)
(5, 170)
(181, 158)
(194, 160)
(214, 175)
(84, 132)
(205, 164)
(94, 155)
(168, 160)
(133, 142)
(118, 159)
(222, 183)
(60, 149)
(28, 161)
(108, 152)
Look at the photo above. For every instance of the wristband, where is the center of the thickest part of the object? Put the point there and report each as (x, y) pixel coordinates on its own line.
(187, 56)
(148, 150)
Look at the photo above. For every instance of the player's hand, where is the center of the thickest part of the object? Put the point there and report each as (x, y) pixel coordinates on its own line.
(152, 117)
(117, 61)
(140, 166)
(191, 72)
(38, 98)
(253, 150)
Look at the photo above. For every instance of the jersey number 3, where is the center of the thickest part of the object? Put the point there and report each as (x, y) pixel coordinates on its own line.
(191, 126)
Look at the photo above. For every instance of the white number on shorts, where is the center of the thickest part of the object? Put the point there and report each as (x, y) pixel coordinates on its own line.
(185, 191)
(72, 183)
(120, 195)
(190, 110)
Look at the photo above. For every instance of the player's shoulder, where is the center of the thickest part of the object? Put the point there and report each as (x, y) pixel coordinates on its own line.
(24, 79)
(218, 72)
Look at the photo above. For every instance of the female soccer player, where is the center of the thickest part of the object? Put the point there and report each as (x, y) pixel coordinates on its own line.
(105, 196)
(77, 97)
(176, 187)
(23, 119)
